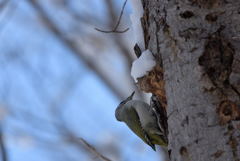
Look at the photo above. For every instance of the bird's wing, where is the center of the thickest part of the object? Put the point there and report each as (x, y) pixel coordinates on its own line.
(132, 120)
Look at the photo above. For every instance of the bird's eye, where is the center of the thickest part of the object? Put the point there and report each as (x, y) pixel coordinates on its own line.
(123, 102)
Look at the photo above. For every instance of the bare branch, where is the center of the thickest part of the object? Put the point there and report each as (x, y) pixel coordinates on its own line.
(3, 4)
(93, 150)
(73, 47)
(112, 31)
(115, 29)
(2, 146)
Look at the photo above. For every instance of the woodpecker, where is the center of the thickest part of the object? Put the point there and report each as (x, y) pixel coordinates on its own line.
(142, 120)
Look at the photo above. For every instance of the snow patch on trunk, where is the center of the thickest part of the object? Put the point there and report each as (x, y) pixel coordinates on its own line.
(142, 65)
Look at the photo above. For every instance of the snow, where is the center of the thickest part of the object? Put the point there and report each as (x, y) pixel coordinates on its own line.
(147, 97)
(142, 65)
(136, 22)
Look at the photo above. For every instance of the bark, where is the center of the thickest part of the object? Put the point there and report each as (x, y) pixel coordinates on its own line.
(198, 44)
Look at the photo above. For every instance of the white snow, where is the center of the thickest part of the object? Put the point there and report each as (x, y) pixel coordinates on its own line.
(136, 22)
(147, 97)
(142, 65)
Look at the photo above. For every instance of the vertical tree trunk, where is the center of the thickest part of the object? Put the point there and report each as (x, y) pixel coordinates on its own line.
(199, 45)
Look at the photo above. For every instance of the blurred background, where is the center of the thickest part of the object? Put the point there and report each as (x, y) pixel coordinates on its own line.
(61, 80)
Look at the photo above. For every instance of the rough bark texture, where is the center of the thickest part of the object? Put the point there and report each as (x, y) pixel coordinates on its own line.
(198, 42)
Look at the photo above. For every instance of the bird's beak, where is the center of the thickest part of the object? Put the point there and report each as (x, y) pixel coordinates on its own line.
(131, 96)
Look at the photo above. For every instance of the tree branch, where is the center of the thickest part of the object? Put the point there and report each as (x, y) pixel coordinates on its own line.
(2, 147)
(115, 29)
(73, 47)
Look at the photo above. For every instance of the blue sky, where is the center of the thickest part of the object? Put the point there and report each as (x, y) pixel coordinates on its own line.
(36, 70)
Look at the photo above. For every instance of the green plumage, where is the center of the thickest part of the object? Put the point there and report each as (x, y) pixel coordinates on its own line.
(132, 120)
(141, 120)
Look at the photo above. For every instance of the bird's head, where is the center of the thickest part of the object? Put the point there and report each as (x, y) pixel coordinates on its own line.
(120, 106)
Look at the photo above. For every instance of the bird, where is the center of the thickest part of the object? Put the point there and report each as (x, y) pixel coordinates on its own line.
(142, 120)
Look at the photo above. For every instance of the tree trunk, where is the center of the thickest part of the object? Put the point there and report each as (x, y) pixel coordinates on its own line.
(198, 42)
